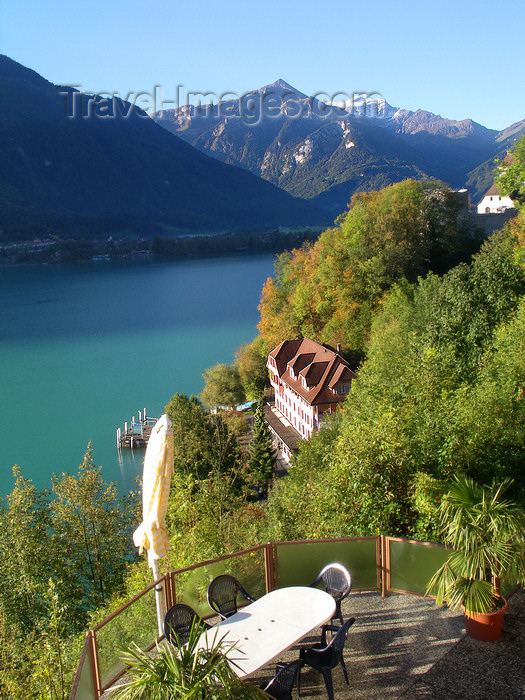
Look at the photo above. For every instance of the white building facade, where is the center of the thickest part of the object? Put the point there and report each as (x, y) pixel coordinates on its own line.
(309, 381)
(494, 203)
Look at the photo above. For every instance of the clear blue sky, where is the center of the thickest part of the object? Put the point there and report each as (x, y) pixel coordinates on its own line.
(457, 58)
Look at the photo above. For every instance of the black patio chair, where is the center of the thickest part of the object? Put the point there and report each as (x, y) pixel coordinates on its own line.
(222, 595)
(337, 581)
(325, 656)
(178, 622)
(280, 687)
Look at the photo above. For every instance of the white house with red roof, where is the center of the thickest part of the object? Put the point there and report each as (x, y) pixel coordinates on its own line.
(309, 381)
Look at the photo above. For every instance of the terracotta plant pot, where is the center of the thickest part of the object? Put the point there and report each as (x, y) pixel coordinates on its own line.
(486, 626)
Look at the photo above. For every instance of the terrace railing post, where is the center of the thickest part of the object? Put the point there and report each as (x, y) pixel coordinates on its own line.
(169, 587)
(384, 566)
(269, 566)
(96, 668)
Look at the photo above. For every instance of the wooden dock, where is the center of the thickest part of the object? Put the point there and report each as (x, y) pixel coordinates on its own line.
(136, 433)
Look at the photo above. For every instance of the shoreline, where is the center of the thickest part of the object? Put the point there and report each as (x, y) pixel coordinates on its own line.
(157, 249)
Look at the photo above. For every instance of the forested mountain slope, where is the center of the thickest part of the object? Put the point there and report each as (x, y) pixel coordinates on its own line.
(76, 164)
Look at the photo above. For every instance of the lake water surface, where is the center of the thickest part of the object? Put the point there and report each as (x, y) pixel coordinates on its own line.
(83, 348)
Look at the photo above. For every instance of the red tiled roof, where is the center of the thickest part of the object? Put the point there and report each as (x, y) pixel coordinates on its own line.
(321, 368)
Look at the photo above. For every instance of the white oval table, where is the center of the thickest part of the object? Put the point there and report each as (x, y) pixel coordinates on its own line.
(263, 630)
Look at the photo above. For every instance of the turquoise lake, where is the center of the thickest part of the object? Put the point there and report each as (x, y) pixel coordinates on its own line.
(83, 348)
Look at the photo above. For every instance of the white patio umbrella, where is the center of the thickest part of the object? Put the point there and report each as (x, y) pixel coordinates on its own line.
(151, 534)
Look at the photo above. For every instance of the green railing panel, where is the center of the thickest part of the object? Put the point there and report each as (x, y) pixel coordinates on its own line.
(137, 623)
(507, 587)
(413, 564)
(191, 586)
(85, 688)
(299, 563)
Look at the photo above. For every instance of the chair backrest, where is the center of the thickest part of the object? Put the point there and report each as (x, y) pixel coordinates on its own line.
(337, 580)
(222, 595)
(178, 622)
(334, 648)
(280, 687)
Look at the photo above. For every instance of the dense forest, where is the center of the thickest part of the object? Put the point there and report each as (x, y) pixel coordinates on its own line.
(433, 318)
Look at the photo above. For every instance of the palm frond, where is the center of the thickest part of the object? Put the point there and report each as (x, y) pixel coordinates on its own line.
(487, 535)
(191, 671)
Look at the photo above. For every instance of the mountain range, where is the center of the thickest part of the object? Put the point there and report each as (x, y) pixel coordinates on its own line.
(82, 165)
(75, 164)
(325, 152)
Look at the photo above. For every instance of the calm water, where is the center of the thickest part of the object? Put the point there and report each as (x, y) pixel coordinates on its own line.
(83, 348)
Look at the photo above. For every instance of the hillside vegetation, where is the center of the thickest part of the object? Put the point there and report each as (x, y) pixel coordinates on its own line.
(329, 290)
(441, 392)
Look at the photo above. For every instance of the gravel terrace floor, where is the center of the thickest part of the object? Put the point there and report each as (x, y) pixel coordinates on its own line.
(404, 646)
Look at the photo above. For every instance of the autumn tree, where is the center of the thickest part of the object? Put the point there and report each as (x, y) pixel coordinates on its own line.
(329, 290)
(510, 177)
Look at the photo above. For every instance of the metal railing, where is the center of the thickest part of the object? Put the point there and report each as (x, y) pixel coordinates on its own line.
(377, 563)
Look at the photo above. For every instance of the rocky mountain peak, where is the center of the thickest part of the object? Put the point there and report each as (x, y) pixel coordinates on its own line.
(281, 87)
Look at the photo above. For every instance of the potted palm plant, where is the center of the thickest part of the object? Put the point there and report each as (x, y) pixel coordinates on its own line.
(486, 532)
(183, 672)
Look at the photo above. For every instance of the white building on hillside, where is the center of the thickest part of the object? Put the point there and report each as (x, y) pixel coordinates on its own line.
(309, 381)
(494, 203)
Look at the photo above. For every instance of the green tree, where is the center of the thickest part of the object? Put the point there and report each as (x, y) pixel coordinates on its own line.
(489, 420)
(202, 443)
(222, 386)
(261, 459)
(190, 434)
(27, 556)
(250, 360)
(93, 532)
(51, 653)
(206, 514)
(510, 173)
(300, 506)
(56, 552)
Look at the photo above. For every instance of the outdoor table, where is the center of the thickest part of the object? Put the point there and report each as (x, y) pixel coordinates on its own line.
(263, 630)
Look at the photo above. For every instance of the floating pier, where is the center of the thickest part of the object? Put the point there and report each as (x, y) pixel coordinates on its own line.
(136, 433)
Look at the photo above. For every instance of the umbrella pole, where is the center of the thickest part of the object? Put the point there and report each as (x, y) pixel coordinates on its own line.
(159, 598)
